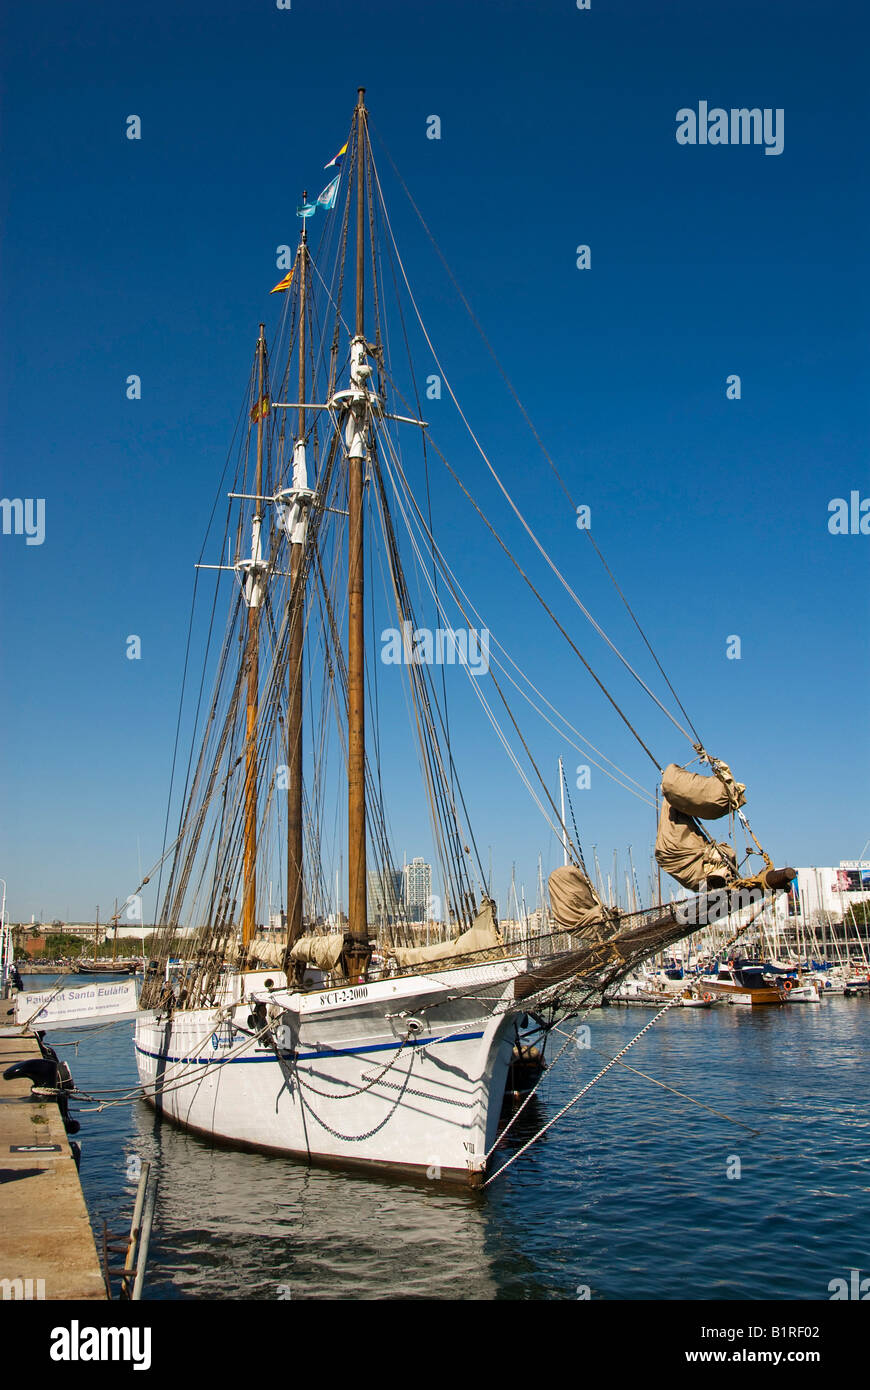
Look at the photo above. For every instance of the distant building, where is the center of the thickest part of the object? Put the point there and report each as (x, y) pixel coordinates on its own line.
(825, 895)
(89, 931)
(417, 889)
(384, 895)
(536, 922)
(31, 940)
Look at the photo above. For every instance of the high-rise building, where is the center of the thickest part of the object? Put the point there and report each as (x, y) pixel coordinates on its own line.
(417, 889)
(384, 895)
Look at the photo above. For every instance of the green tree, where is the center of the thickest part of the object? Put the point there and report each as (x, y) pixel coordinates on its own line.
(857, 914)
(62, 944)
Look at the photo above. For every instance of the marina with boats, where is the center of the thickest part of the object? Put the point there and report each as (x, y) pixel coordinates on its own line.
(781, 961)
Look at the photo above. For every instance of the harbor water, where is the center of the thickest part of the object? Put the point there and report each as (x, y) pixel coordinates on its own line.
(636, 1193)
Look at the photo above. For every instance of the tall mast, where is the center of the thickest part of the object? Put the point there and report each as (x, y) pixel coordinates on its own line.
(658, 865)
(252, 594)
(564, 828)
(296, 614)
(356, 949)
(634, 897)
(360, 210)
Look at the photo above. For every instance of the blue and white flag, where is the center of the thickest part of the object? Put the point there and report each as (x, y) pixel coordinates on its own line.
(307, 210)
(327, 198)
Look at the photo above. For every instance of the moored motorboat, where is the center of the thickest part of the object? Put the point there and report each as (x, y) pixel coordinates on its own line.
(801, 992)
(729, 983)
(857, 984)
(699, 999)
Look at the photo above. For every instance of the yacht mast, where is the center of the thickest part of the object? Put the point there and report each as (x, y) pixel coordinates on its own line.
(252, 595)
(564, 828)
(295, 618)
(356, 948)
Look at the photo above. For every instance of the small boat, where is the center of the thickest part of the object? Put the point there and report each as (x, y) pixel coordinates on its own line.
(728, 982)
(802, 992)
(698, 999)
(642, 989)
(645, 990)
(857, 984)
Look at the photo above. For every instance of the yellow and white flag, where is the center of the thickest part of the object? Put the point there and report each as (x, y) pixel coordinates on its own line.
(336, 161)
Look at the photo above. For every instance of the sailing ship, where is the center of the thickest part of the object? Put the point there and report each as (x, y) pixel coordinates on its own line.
(309, 1035)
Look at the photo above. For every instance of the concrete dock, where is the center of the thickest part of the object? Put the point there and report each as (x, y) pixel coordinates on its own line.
(47, 1247)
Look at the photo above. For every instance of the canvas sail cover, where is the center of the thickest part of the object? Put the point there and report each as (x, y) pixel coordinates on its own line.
(322, 951)
(707, 797)
(574, 901)
(482, 935)
(270, 953)
(682, 851)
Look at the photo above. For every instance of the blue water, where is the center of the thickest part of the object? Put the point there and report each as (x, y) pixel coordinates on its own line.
(628, 1195)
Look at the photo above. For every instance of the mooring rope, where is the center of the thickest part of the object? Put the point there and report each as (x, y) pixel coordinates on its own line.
(665, 1087)
(612, 1063)
(581, 1093)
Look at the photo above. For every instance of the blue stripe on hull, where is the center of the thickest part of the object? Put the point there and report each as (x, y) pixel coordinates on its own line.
(307, 1056)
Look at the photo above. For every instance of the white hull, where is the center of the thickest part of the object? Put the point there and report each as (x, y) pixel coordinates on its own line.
(804, 994)
(405, 1073)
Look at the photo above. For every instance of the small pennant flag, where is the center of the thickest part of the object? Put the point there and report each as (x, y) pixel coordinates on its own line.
(285, 283)
(335, 163)
(307, 210)
(327, 198)
(261, 409)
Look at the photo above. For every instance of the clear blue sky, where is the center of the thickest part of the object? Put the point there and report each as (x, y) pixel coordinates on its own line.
(558, 128)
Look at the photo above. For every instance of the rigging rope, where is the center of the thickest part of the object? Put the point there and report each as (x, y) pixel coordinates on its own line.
(455, 590)
(534, 432)
(527, 528)
(613, 1061)
(672, 1089)
(580, 1094)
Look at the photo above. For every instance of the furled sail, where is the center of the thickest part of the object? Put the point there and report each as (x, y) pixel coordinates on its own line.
(270, 953)
(321, 951)
(681, 849)
(575, 903)
(707, 797)
(482, 935)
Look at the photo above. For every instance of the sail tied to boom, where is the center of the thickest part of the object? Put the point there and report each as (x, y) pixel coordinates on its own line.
(683, 849)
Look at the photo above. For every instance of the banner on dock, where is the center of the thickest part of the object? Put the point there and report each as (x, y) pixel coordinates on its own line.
(73, 1007)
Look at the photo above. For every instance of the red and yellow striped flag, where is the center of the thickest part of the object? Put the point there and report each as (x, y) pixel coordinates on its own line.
(261, 409)
(283, 284)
